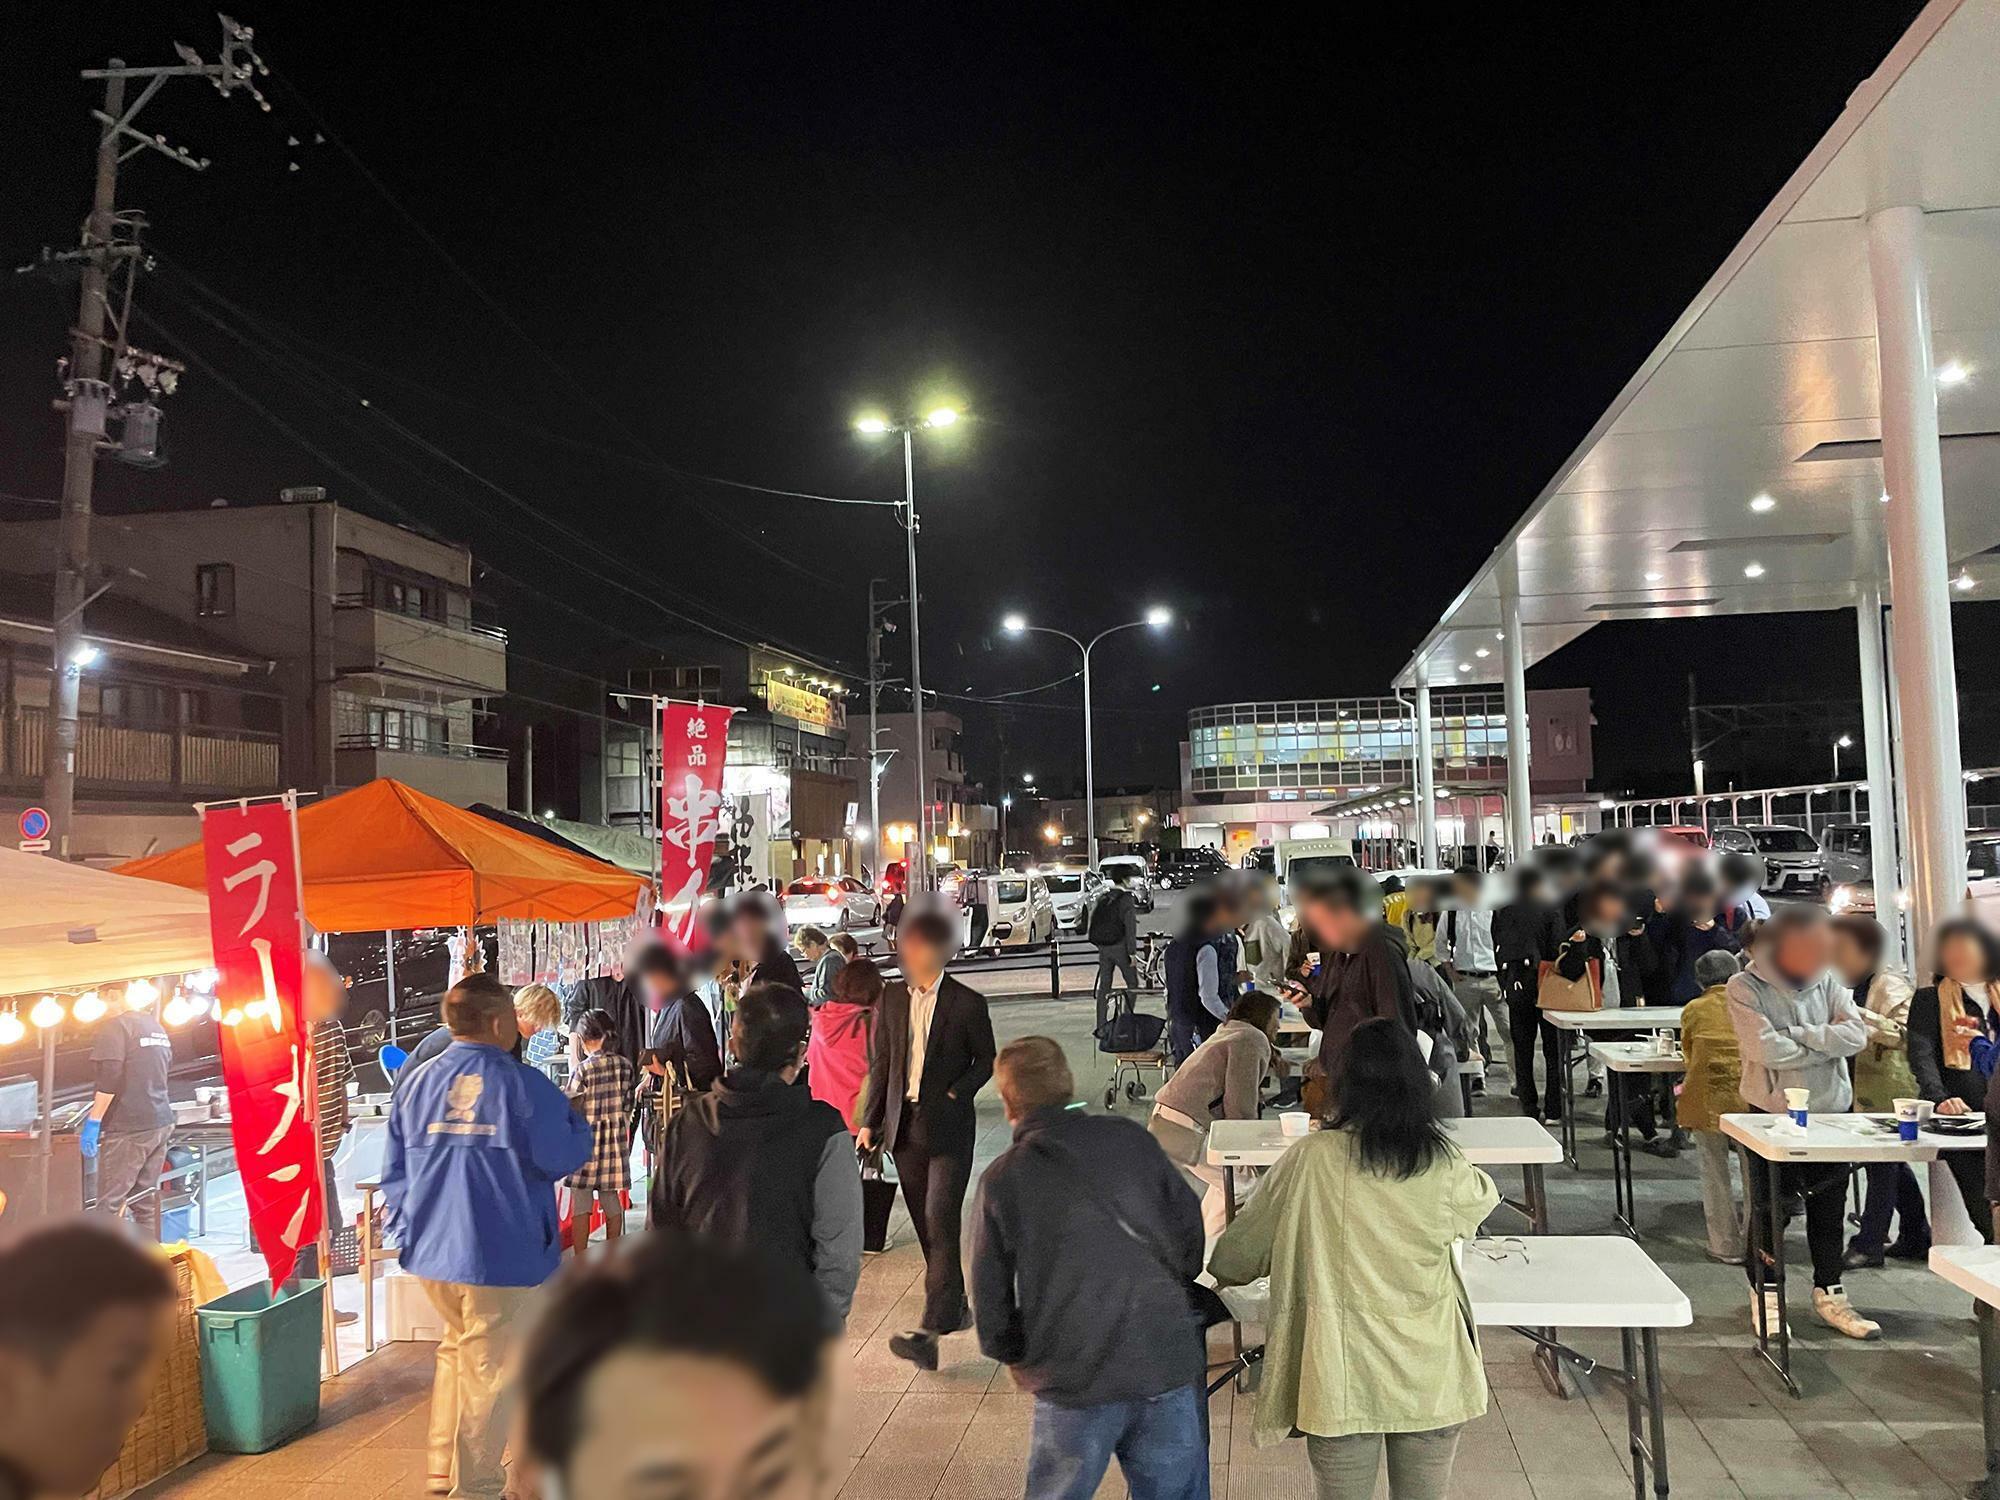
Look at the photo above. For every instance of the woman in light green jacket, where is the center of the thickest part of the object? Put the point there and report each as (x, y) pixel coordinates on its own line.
(1370, 1334)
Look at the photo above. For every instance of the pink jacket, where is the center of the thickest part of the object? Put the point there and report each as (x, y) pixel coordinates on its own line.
(837, 1056)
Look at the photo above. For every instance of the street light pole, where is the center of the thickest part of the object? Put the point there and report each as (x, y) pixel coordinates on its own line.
(1839, 745)
(916, 662)
(1016, 625)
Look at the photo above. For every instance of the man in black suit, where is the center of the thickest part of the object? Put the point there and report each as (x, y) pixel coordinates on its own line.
(932, 1052)
(756, 928)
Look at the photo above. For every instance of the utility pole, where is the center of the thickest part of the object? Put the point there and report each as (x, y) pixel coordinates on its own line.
(89, 391)
(877, 628)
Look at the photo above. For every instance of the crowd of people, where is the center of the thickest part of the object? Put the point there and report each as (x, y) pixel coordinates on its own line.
(764, 1098)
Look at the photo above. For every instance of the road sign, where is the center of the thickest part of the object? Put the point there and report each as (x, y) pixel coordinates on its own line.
(34, 823)
(34, 846)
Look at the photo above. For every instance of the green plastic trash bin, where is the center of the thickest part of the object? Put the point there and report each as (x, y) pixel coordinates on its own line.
(260, 1359)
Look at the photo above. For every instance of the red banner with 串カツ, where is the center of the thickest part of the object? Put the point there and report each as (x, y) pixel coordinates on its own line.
(694, 742)
(255, 919)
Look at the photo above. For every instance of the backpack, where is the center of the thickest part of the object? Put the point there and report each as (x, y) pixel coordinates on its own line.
(1107, 922)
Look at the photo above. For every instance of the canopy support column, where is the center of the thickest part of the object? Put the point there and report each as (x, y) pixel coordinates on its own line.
(1520, 814)
(1427, 839)
(1881, 783)
(1919, 563)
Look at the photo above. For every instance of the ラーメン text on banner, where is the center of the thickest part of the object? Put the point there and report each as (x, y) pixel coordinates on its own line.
(255, 918)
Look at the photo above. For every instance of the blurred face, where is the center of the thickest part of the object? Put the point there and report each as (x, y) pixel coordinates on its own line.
(812, 950)
(751, 931)
(1609, 912)
(324, 995)
(1465, 892)
(1963, 958)
(1802, 952)
(62, 1423)
(922, 959)
(670, 1426)
(1337, 927)
(1849, 962)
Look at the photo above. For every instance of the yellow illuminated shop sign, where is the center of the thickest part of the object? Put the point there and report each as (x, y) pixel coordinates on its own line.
(798, 703)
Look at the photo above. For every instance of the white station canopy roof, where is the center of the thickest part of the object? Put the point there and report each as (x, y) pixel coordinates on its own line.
(1739, 471)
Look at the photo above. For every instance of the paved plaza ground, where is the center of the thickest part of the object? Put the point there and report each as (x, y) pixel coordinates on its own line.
(1899, 1417)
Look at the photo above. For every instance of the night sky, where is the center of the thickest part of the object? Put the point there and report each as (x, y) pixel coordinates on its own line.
(1280, 327)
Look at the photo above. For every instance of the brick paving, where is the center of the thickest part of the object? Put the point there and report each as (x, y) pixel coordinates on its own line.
(1899, 1417)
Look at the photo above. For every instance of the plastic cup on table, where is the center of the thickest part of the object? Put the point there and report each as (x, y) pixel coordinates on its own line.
(1295, 1122)
(1908, 1115)
(1796, 1101)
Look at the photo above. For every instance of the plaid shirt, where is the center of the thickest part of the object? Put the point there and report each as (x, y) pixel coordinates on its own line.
(602, 1094)
(332, 1067)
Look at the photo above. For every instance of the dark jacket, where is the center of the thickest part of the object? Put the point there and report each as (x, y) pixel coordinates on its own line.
(1993, 1138)
(1369, 983)
(1524, 935)
(1935, 1081)
(742, 1164)
(1082, 1311)
(1681, 943)
(684, 1037)
(958, 1059)
(624, 1000)
(776, 966)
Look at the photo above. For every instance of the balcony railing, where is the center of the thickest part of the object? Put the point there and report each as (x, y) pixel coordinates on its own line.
(462, 627)
(410, 745)
(137, 758)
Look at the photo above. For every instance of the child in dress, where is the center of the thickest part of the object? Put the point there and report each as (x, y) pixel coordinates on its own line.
(601, 1090)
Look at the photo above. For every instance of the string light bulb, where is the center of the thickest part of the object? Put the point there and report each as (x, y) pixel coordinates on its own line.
(141, 994)
(48, 1012)
(89, 1007)
(11, 1029)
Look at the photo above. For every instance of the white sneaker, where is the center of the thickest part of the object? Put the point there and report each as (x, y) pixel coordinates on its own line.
(1774, 1313)
(1830, 1304)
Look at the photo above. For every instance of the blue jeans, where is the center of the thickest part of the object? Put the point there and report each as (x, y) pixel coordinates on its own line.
(1160, 1443)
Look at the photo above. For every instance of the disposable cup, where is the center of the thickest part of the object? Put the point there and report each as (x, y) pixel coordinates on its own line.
(1908, 1114)
(1795, 1103)
(1295, 1122)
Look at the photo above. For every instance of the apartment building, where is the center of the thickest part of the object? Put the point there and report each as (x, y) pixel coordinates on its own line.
(368, 627)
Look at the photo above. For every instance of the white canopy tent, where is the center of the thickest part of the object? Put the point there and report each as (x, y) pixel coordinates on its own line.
(1834, 389)
(66, 927)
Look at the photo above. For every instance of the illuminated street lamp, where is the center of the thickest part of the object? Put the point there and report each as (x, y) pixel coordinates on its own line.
(1017, 624)
(874, 424)
(1844, 742)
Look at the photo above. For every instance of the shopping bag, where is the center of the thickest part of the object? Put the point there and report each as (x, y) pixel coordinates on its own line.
(878, 1201)
(1553, 992)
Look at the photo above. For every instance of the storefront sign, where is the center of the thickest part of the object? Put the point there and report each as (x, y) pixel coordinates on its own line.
(255, 916)
(694, 743)
(805, 707)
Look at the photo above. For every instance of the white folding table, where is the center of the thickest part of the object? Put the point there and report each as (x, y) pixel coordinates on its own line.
(1588, 1281)
(1488, 1141)
(1976, 1269)
(1847, 1139)
(1619, 1059)
(1568, 1023)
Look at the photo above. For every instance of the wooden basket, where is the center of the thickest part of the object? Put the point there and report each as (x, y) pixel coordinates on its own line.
(173, 1429)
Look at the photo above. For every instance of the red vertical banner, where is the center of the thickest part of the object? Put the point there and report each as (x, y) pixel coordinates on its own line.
(694, 742)
(256, 918)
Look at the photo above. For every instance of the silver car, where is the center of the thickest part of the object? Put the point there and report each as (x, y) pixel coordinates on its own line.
(1792, 862)
(1141, 883)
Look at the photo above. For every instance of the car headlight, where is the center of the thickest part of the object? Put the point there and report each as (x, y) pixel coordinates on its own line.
(1841, 899)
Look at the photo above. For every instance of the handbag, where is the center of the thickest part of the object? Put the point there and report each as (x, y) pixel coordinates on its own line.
(878, 1201)
(1208, 1308)
(1553, 992)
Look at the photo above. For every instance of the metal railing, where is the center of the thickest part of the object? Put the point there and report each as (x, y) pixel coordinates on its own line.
(457, 627)
(409, 745)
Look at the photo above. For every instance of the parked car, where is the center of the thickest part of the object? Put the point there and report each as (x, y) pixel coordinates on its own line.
(1181, 868)
(1982, 882)
(895, 879)
(1793, 864)
(949, 877)
(1070, 890)
(1264, 857)
(1141, 883)
(1017, 908)
(839, 902)
(1849, 851)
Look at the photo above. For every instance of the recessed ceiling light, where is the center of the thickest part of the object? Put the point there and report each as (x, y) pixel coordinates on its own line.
(1465, 666)
(1499, 635)
(1654, 577)
(1763, 503)
(1754, 570)
(1482, 652)
(1885, 497)
(1962, 582)
(1953, 372)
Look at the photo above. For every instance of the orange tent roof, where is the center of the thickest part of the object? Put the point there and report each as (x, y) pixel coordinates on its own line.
(386, 856)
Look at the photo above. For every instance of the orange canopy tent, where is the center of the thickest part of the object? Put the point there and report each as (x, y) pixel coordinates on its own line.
(385, 856)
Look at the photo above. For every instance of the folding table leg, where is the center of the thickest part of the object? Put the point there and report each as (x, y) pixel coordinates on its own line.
(1988, 1321)
(1235, 1324)
(1656, 1409)
(1535, 1189)
(1635, 1416)
(1567, 1093)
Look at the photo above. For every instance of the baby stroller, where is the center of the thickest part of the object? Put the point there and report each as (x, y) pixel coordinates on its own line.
(1135, 1042)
